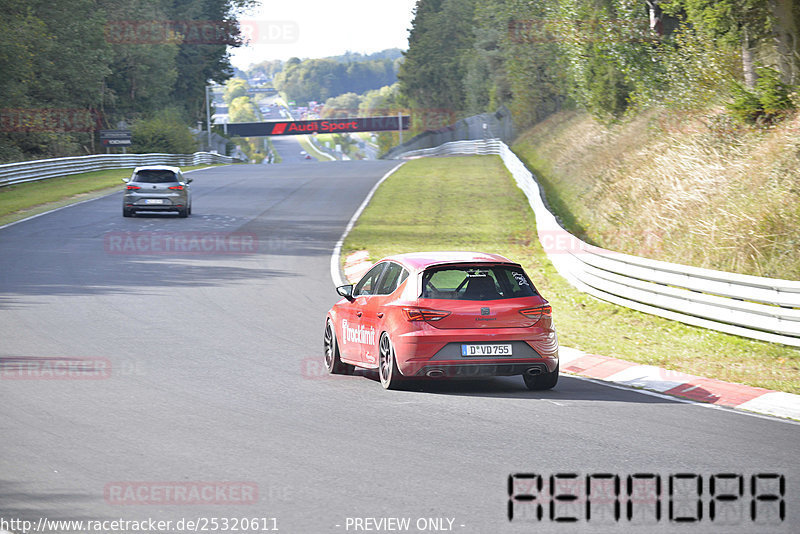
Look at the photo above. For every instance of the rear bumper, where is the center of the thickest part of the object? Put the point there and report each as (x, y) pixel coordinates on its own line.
(421, 352)
(170, 202)
(177, 205)
(138, 207)
(467, 370)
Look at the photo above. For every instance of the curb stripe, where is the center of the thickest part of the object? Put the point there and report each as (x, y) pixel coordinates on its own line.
(681, 385)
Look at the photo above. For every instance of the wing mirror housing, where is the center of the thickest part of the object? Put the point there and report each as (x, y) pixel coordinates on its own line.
(346, 291)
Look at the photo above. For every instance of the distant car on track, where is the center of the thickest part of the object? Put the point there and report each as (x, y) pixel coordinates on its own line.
(443, 314)
(157, 188)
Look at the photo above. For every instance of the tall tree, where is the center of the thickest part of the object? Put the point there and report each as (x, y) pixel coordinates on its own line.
(53, 59)
(441, 38)
(321, 79)
(735, 23)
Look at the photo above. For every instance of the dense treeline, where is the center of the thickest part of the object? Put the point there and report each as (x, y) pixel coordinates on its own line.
(321, 79)
(609, 57)
(350, 57)
(70, 67)
(267, 69)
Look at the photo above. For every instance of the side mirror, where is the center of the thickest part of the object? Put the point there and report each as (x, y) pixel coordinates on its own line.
(346, 291)
(189, 180)
(126, 180)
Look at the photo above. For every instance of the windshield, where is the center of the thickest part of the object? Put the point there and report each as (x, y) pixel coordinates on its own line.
(476, 282)
(155, 176)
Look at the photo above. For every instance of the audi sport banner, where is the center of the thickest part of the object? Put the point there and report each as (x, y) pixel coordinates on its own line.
(360, 124)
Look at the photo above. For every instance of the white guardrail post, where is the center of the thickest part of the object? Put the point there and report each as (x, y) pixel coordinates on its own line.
(30, 171)
(755, 307)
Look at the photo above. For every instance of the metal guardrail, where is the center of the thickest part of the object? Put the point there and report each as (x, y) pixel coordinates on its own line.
(30, 171)
(755, 307)
(497, 125)
(475, 148)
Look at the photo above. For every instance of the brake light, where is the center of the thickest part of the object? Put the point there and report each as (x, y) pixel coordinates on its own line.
(178, 187)
(424, 314)
(132, 187)
(537, 312)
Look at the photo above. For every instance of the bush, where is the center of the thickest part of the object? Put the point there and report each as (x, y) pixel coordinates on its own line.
(165, 132)
(746, 107)
(607, 89)
(774, 94)
(766, 104)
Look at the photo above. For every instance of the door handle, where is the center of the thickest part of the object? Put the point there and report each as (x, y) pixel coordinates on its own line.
(358, 314)
(380, 315)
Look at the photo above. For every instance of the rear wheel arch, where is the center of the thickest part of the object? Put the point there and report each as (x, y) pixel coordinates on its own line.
(388, 334)
(388, 372)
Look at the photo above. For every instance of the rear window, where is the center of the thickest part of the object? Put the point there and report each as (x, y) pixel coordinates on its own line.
(155, 176)
(476, 282)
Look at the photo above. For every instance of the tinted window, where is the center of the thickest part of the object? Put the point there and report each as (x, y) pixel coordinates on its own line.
(155, 176)
(393, 277)
(476, 282)
(366, 286)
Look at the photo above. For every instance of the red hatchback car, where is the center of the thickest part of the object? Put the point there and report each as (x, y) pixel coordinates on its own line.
(443, 314)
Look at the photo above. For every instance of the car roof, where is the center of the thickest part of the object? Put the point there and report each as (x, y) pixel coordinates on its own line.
(421, 260)
(157, 168)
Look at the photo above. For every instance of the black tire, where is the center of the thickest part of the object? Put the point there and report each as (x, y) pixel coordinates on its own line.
(387, 364)
(183, 213)
(333, 362)
(541, 382)
(189, 211)
(127, 213)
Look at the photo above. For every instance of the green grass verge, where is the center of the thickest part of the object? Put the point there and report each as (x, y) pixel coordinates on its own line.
(24, 200)
(351, 149)
(472, 203)
(277, 157)
(305, 142)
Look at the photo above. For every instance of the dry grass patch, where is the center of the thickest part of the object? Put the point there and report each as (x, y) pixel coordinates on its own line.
(696, 190)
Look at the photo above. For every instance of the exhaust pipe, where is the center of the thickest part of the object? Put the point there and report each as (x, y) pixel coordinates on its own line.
(533, 371)
(435, 373)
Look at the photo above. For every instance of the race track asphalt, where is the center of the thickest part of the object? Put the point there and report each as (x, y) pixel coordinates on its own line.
(202, 367)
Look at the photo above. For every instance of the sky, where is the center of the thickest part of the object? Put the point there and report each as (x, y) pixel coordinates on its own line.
(281, 29)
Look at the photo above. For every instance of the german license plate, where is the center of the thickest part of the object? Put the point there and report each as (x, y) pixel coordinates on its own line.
(486, 350)
(154, 201)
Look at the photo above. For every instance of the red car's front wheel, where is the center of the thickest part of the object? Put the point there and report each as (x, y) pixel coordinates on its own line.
(333, 362)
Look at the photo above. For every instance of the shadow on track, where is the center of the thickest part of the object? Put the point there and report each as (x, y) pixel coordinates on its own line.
(19, 502)
(512, 387)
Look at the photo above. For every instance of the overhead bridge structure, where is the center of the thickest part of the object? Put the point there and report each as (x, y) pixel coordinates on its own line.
(354, 124)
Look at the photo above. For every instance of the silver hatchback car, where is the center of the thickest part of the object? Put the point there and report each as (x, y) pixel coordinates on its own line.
(157, 188)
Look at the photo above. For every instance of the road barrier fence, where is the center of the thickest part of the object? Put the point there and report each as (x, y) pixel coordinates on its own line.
(30, 171)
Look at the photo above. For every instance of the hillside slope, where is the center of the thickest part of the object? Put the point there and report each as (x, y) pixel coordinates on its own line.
(690, 189)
